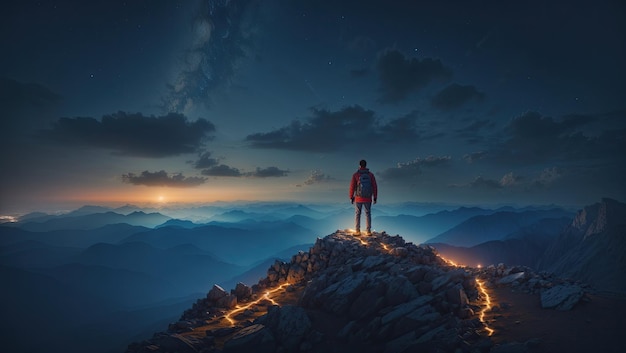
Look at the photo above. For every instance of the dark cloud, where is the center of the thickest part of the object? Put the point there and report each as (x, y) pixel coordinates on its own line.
(17, 96)
(414, 168)
(455, 95)
(532, 138)
(222, 170)
(222, 38)
(269, 172)
(482, 183)
(205, 161)
(400, 75)
(162, 178)
(133, 134)
(329, 131)
(24, 104)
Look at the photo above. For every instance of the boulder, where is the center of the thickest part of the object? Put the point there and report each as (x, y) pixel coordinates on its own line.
(229, 301)
(561, 297)
(288, 324)
(216, 293)
(255, 338)
(242, 291)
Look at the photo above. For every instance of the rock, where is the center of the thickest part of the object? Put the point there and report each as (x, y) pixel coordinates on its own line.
(176, 343)
(242, 291)
(510, 278)
(561, 297)
(255, 338)
(456, 296)
(216, 293)
(229, 301)
(296, 274)
(289, 324)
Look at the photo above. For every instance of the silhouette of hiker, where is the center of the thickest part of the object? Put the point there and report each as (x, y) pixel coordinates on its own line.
(363, 190)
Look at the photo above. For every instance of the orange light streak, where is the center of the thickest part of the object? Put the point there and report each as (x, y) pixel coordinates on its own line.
(483, 291)
(266, 296)
(486, 307)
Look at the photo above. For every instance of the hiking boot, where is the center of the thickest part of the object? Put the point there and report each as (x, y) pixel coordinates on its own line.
(357, 233)
(368, 233)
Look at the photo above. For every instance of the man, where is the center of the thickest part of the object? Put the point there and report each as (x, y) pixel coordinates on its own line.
(363, 190)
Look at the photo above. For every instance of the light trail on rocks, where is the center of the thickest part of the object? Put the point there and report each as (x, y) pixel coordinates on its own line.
(484, 294)
(266, 296)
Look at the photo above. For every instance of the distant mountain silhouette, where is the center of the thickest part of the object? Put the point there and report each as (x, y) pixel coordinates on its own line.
(94, 220)
(177, 223)
(524, 247)
(593, 247)
(180, 268)
(231, 244)
(589, 247)
(110, 233)
(422, 228)
(496, 226)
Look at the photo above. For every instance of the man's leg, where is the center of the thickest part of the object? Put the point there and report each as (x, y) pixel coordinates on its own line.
(368, 217)
(357, 216)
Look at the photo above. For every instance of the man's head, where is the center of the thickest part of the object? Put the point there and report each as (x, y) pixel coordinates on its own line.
(363, 163)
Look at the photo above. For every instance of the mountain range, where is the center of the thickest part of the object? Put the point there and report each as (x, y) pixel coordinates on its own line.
(143, 262)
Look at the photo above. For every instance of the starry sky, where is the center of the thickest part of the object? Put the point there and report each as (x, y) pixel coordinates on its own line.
(465, 102)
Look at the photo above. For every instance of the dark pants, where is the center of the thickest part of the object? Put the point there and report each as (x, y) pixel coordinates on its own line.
(368, 215)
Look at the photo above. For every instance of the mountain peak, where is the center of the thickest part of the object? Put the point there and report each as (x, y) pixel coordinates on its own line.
(368, 294)
(596, 218)
(365, 292)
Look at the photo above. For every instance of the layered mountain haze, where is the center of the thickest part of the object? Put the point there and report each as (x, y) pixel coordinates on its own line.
(119, 282)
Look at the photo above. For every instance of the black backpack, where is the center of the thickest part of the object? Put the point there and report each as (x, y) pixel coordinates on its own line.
(364, 185)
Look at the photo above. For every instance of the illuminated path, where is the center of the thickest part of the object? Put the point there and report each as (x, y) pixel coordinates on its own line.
(487, 306)
(483, 291)
(272, 294)
(269, 296)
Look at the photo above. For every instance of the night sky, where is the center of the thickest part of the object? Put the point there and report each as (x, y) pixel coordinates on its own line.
(467, 102)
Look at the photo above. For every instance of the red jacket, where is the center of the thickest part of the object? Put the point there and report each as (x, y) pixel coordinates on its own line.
(353, 184)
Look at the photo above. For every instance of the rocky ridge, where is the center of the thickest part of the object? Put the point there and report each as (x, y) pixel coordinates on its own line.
(369, 294)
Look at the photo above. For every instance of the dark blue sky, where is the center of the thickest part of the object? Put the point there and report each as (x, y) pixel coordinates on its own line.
(194, 101)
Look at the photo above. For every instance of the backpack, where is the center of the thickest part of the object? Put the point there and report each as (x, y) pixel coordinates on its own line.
(364, 185)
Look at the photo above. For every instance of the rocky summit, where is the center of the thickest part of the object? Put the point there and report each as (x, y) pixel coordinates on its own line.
(373, 293)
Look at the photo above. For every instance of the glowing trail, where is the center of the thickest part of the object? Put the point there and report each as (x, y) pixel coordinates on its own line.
(265, 296)
(484, 293)
(487, 306)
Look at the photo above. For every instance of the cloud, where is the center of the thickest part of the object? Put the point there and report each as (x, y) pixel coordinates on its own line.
(534, 139)
(548, 176)
(455, 95)
(510, 179)
(482, 183)
(414, 168)
(400, 75)
(133, 134)
(24, 104)
(507, 181)
(316, 177)
(222, 33)
(162, 178)
(329, 131)
(474, 156)
(205, 161)
(222, 170)
(269, 172)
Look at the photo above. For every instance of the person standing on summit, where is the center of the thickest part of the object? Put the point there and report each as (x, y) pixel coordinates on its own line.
(363, 190)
